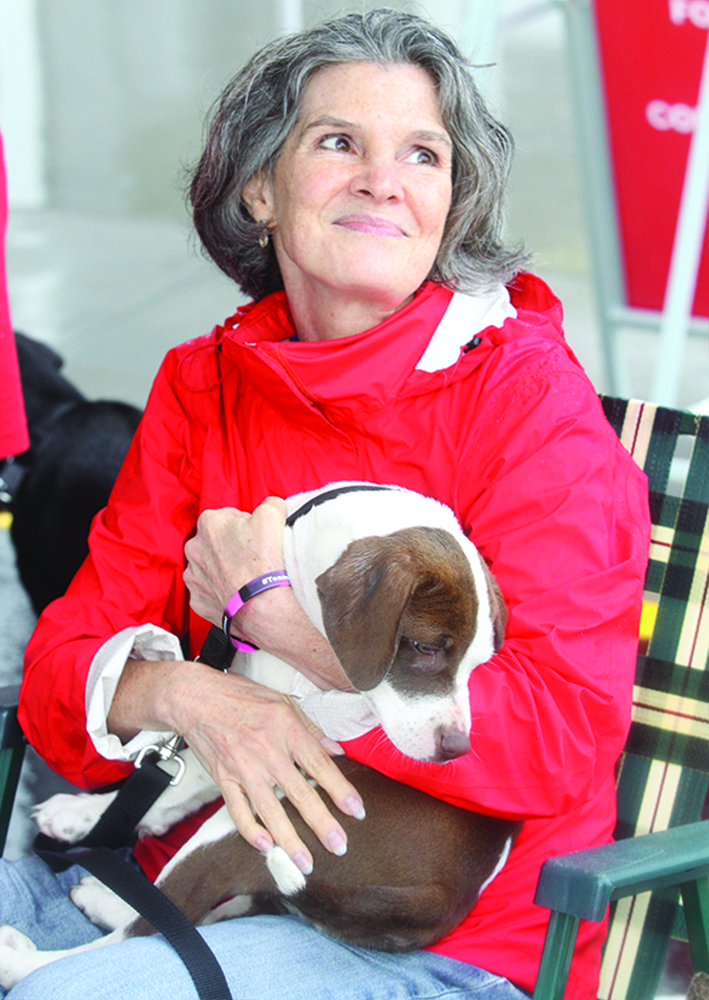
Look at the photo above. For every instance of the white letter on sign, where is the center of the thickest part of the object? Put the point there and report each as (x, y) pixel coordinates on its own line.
(696, 10)
(677, 117)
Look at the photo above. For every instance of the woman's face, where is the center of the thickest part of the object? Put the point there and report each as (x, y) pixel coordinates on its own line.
(359, 197)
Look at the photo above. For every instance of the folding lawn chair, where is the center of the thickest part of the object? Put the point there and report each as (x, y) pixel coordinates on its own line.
(664, 770)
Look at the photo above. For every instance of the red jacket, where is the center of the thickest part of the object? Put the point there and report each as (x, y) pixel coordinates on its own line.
(513, 438)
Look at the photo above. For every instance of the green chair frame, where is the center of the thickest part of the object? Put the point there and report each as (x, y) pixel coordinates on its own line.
(664, 772)
(12, 751)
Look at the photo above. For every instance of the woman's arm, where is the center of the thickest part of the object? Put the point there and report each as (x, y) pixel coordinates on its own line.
(134, 576)
(255, 735)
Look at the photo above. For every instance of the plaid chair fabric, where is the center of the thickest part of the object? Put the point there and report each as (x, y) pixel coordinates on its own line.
(664, 772)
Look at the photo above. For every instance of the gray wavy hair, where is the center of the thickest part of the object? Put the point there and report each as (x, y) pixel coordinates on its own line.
(258, 109)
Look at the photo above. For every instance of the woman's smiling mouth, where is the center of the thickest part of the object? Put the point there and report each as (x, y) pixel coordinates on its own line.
(369, 224)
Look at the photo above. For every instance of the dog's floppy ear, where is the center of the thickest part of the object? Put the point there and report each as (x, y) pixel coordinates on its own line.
(498, 609)
(363, 597)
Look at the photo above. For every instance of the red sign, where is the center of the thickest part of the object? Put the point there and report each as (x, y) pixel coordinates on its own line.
(652, 53)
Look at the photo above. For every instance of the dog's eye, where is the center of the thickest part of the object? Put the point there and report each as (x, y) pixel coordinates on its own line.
(424, 649)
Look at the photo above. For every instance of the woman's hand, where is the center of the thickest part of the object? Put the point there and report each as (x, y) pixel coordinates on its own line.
(251, 740)
(232, 548)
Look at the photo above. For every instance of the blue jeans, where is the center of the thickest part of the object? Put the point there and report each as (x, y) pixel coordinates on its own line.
(264, 958)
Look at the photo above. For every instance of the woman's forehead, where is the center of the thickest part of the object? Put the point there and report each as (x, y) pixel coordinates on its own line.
(344, 91)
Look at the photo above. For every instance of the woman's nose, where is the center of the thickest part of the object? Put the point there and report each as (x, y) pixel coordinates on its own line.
(380, 181)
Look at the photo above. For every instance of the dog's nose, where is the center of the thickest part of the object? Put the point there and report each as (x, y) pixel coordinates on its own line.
(452, 743)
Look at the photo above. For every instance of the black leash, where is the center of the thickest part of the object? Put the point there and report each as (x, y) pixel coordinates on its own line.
(216, 650)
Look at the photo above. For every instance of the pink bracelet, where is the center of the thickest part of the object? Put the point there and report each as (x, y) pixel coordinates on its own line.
(279, 578)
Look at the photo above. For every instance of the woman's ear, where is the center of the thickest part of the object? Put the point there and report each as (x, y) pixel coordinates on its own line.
(258, 198)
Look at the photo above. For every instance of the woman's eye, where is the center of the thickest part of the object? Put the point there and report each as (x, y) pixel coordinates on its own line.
(424, 156)
(339, 143)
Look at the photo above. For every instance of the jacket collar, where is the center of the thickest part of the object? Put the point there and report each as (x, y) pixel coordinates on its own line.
(423, 346)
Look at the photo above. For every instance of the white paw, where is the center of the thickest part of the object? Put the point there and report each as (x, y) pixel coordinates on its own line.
(15, 948)
(70, 817)
(287, 876)
(100, 904)
(12, 938)
(156, 822)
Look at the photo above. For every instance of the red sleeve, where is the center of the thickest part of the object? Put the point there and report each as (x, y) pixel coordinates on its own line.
(13, 425)
(559, 511)
(133, 575)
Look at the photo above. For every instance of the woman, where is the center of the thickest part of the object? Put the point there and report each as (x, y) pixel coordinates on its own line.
(352, 183)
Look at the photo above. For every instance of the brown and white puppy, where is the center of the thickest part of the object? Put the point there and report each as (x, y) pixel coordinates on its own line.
(407, 603)
(410, 609)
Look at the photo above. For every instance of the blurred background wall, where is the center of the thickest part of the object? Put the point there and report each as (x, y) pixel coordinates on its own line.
(100, 100)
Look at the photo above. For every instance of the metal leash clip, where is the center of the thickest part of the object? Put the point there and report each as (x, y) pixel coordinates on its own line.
(169, 751)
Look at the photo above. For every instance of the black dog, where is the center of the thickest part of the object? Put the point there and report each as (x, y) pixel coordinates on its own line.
(56, 487)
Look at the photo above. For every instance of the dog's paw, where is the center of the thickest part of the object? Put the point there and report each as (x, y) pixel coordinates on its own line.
(70, 817)
(12, 938)
(15, 948)
(100, 904)
(158, 821)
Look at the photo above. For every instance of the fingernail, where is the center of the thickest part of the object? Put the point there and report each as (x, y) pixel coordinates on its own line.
(355, 806)
(337, 843)
(263, 844)
(305, 865)
(331, 746)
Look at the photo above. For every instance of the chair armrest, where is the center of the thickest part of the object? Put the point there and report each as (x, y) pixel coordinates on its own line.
(11, 735)
(583, 883)
(12, 750)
